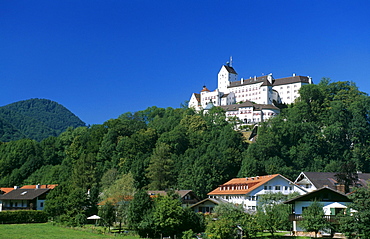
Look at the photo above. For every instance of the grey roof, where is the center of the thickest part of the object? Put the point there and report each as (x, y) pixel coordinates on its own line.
(230, 69)
(265, 82)
(322, 179)
(213, 200)
(249, 81)
(291, 80)
(321, 194)
(24, 194)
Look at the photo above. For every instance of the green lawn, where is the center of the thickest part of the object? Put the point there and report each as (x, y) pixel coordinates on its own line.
(47, 230)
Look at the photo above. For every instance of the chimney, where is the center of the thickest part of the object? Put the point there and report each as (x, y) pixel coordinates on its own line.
(242, 81)
(38, 186)
(341, 188)
(293, 74)
(16, 187)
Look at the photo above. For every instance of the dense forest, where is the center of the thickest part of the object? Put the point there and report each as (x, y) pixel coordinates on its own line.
(158, 148)
(35, 119)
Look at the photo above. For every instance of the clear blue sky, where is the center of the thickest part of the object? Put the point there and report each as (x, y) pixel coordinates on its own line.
(104, 58)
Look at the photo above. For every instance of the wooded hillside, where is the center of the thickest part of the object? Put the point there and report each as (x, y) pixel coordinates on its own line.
(327, 127)
(35, 119)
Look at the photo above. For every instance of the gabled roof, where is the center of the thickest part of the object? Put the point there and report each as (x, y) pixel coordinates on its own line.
(322, 194)
(322, 179)
(291, 80)
(243, 185)
(197, 96)
(213, 200)
(6, 190)
(230, 69)
(24, 194)
(205, 89)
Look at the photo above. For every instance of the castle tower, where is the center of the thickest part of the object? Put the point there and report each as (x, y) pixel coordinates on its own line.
(226, 75)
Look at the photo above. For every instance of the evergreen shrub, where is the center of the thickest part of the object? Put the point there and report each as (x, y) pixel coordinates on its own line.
(22, 216)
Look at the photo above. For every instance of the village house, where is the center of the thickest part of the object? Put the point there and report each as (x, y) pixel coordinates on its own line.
(29, 197)
(333, 203)
(207, 205)
(246, 191)
(311, 181)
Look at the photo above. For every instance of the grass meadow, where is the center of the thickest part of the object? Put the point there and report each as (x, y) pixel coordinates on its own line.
(49, 231)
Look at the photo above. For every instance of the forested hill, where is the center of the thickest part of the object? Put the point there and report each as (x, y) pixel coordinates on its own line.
(35, 119)
(326, 129)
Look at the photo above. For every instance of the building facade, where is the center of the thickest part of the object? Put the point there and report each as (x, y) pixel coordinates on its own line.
(246, 191)
(252, 100)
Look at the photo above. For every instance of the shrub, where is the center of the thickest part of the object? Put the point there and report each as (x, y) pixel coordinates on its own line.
(22, 216)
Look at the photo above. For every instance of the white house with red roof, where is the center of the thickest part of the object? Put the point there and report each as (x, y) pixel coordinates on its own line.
(246, 191)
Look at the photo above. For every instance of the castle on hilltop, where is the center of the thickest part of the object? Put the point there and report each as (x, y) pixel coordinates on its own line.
(251, 100)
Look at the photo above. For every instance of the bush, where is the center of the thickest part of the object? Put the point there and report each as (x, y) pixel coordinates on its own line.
(22, 216)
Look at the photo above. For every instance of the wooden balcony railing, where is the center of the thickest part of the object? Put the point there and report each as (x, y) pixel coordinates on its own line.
(298, 217)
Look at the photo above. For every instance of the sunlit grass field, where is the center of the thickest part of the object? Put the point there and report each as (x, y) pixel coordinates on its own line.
(47, 231)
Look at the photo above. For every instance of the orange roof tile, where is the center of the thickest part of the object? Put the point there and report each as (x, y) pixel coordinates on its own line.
(50, 186)
(6, 190)
(242, 185)
(205, 89)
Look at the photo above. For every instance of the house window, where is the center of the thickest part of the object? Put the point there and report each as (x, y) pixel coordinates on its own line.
(41, 204)
(252, 198)
(270, 187)
(277, 187)
(265, 187)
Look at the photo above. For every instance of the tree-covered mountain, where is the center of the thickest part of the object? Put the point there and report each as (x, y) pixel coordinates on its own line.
(326, 128)
(35, 119)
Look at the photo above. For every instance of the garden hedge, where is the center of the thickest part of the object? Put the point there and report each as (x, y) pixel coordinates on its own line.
(22, 216)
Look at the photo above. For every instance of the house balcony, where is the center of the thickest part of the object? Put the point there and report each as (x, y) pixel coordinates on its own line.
(298, 217)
